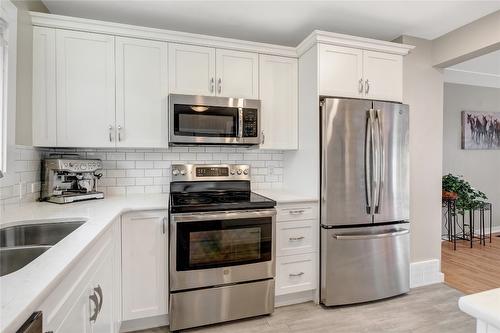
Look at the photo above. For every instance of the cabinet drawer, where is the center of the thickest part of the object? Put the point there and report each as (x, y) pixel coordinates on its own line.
(296, 212)
(295, 273)
(296, 237)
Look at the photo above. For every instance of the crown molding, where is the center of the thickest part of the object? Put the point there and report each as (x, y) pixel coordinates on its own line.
(332, 38)
(126, 30)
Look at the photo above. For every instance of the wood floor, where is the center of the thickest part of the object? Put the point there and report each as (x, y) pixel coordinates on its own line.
(472, 270)
(431, 309)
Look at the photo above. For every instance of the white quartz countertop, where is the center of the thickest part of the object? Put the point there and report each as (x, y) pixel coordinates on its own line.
(484, 306)
(23, 291)
(282, 196)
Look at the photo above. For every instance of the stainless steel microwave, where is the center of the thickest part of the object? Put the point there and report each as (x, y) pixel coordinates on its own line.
(198, 120)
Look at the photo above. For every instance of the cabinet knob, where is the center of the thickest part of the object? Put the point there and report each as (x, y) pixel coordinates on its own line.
(367, 86)
(220, 85)
(212, 85)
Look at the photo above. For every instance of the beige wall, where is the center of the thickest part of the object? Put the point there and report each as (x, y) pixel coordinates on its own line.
(24, 68)
(479, 167)
(423, 91)
(472, 40)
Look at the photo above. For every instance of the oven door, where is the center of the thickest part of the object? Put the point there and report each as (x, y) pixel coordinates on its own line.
(213, 120)
(217, 248)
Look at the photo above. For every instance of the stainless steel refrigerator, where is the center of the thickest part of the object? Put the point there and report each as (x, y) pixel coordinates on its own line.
(364, 200)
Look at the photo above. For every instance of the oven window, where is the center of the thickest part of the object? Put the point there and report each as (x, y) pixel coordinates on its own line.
(192, 120)
(219, 243)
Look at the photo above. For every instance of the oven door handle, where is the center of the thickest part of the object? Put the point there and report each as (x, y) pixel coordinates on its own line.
(221, 215)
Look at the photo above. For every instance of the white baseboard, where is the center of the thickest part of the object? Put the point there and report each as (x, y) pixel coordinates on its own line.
(143, 323)
(423, 273)
(295, 298)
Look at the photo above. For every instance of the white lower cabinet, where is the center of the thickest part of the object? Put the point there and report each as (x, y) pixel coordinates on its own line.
(144, 264)
(296, 237)
(295, 273)
(297, 251)
(85, 300)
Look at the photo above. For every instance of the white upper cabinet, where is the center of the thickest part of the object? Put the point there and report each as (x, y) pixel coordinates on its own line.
(237, 74)
(144, 264)
(199, 70)
(279, 98)
(85, 89)
(141, 93)
(383, 74)
(191, 69)
(44, 87)
(357, 73)
(341, 71)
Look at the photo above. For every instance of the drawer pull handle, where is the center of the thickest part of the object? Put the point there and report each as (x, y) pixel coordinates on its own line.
(294, 239)
(296, 212)
(296, 274)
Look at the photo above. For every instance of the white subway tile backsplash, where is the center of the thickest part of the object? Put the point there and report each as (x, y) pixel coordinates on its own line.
(153, 156)
(135, 173)
(139, 170)
(135, 156)
(144, 181)
(144, 164)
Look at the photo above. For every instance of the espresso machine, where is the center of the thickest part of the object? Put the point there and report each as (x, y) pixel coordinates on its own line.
(66, 180)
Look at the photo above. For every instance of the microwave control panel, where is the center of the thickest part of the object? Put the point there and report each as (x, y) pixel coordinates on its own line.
(250, 122)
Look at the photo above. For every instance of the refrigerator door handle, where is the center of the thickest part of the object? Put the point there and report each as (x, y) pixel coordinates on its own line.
(380, 161)
(368, 162)
(371, 164)
(371, 236)
(376, 161)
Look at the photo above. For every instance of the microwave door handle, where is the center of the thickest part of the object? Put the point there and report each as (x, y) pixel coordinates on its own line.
(240, 122)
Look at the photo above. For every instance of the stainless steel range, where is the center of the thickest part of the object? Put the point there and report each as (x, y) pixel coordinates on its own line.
(222, 246)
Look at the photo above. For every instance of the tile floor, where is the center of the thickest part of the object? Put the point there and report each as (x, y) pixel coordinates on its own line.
(431, 309)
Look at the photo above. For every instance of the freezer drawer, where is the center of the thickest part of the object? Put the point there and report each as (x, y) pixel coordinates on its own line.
(364, 264)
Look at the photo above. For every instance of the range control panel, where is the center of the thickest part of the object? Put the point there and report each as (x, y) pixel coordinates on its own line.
(200, 172)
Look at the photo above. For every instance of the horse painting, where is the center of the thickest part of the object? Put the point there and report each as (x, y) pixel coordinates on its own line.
(480, 130)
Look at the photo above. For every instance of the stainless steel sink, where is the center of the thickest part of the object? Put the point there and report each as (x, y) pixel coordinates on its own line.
(14, 258)
(21, 244)
(37, 234)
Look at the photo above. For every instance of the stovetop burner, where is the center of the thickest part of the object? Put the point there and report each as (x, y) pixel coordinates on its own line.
(198, 188)
(211, 201)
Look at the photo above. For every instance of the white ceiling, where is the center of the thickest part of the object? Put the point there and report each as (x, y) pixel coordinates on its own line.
(284, 22)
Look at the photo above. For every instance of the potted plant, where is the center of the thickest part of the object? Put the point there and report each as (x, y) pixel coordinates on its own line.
(467, 197)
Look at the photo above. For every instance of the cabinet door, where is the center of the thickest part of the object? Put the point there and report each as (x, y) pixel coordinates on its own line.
(103, 286)
(141, 93)
(340, 71)
(44, 87)
(278, 94)
(77, 317)
(237, 74)
(85, 89)
(144, 264)
(191, 69)
(295, 273)
(383, 74)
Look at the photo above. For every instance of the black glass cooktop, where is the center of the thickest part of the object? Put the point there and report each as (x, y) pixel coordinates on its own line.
(181, 202)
